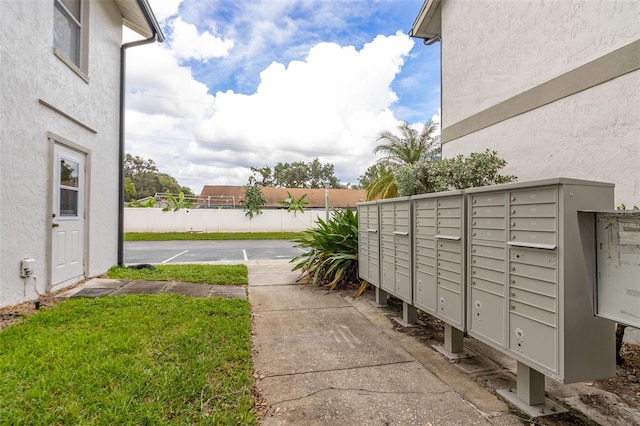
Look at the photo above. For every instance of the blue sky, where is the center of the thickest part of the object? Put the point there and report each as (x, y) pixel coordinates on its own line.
(252, 83)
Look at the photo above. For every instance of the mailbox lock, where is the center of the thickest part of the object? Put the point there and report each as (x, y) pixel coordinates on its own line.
(513, 198)
(513, 211)
(513, 268)
(513, 307)
(513, 293)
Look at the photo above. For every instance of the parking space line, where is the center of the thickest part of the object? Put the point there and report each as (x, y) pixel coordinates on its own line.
(173, 257)
(244, 254)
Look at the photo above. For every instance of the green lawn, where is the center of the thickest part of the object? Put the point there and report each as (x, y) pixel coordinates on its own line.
(167, 236)
(212, 274)
(140, 359)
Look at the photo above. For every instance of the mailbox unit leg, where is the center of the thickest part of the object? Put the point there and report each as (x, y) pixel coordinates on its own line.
(530, 385)
(453, 339)
(382, 297)
(409, 314)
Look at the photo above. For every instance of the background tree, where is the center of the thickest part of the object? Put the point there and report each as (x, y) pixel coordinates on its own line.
(142, 179)
(254, 199)
(369, 175)
(295, 205)
(298, 174)
(129, 189)
(408, 148)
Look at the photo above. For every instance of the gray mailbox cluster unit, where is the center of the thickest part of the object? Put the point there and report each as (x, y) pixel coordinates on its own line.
(395, 248)
(503, 263)
(369, 243)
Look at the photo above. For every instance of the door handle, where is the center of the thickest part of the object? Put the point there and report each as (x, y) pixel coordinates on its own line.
(55, 225)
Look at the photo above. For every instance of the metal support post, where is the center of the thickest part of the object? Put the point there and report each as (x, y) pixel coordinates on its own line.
(409, 314)
(530, 385)
(453, 339)
(382, 297)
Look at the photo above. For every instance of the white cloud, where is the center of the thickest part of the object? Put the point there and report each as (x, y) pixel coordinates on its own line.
(163, 9)
(187, 43)
(331, 105)
(161, 86)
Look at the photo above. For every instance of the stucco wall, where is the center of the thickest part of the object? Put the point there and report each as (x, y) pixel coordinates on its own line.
(30, 71)
(492, 51)
(593, 135)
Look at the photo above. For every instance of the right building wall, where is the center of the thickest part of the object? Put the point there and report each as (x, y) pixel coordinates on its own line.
(553, 87)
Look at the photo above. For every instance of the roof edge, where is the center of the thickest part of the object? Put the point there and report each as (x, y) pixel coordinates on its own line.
(151, 19)
(428, 23)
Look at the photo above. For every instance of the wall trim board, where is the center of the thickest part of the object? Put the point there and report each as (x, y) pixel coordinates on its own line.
(67, 116)
(605, 68)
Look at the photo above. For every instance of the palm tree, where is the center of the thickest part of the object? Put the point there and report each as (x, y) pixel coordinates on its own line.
(409, 148)
(383, 183)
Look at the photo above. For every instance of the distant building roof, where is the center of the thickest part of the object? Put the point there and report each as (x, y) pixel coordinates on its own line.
(220, 195)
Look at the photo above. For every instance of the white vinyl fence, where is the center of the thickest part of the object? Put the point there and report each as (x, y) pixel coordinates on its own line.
(217, 220)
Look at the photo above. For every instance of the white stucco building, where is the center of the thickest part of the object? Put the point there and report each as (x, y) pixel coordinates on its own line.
(553, 86)
(60, 93)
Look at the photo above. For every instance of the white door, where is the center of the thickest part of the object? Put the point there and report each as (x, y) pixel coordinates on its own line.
(67, 248)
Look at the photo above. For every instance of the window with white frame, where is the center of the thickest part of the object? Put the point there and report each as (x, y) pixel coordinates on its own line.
(69, 31)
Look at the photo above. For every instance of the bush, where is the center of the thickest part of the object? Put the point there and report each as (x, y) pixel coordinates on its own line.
(332, 256)
(477, 169)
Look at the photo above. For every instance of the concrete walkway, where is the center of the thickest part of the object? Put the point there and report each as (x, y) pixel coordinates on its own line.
(326, 359)
(332, 360)
(98, 287)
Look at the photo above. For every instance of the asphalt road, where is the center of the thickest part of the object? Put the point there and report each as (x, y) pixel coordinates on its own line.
(136, 252)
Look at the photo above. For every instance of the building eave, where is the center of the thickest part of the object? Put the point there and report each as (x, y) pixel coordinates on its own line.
(138, 16)
(428, 24)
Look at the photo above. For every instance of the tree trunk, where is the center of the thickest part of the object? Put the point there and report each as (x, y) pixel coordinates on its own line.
(619, 335)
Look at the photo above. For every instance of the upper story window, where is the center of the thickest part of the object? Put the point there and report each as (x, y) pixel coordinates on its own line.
(69, 32)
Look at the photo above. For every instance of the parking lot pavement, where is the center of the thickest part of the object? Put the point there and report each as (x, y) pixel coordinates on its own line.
(136, 252)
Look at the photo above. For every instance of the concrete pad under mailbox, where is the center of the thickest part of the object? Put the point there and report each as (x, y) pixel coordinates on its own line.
(286, 297)
(307, 340)
(397, 394)
(141, 287)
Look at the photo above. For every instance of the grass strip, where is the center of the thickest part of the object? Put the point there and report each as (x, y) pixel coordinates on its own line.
(139, 359)
(182, 236)
(211, 274)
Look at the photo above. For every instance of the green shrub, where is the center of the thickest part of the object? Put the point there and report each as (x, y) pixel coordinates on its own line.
(477, 169)
(331, 251)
